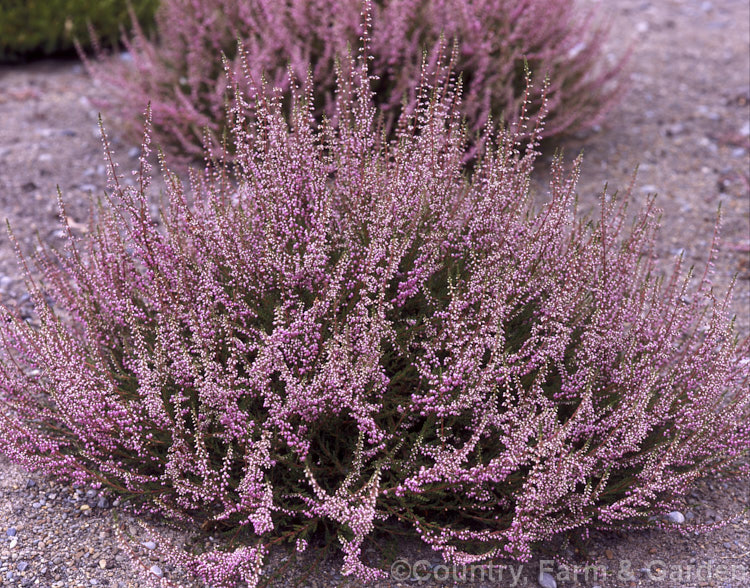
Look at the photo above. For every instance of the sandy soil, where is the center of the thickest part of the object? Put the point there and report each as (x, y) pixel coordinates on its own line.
(685, 123)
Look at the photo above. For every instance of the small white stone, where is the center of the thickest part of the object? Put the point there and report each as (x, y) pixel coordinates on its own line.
(675, 517)
(149, 545)
(156, 571)
(547, 580)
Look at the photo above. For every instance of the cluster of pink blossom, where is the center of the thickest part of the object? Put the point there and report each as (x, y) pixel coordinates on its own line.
(336, 329)
(179, 74)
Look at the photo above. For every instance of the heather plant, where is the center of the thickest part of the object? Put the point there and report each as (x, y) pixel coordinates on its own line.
(179, 74)
(344, 334)
(40, 28)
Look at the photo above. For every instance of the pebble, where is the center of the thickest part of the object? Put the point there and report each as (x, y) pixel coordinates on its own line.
(547, 580)
(30, 483)
(149, 545)
(675, 517)
(102, 503)
(11, 532)
(156, 571)
(674, 130)
(22, 565)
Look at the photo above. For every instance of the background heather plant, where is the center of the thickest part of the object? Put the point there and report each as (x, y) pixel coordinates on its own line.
(346, 334)
(179, 74)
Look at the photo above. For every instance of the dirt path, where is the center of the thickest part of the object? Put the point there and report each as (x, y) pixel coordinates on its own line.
(685, 122)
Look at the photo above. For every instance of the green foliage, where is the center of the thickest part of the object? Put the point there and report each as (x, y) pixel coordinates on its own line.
(40, 28)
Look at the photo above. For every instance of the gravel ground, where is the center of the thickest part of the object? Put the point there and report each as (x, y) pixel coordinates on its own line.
(685, 122)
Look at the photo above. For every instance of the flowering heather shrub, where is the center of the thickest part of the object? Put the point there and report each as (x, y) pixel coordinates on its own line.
(346, 334)
(180, 76)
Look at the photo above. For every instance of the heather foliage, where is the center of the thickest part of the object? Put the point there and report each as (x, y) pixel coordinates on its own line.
(39, 28)
(178, 73)
(338, 332)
